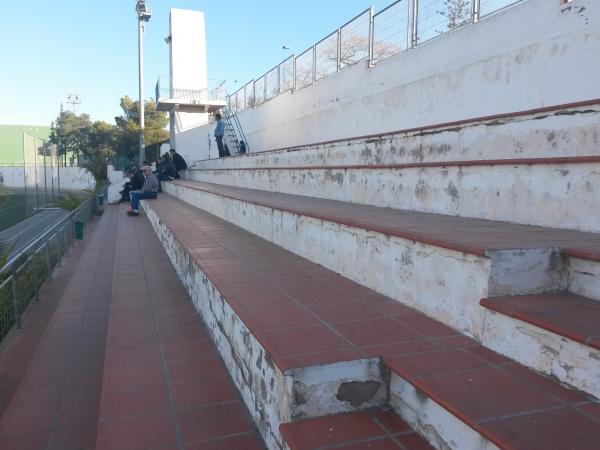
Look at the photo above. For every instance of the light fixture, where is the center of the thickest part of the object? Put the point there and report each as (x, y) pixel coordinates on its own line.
(143, 11)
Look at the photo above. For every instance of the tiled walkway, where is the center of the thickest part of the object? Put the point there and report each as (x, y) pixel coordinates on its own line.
(125, 362)
(56, 403)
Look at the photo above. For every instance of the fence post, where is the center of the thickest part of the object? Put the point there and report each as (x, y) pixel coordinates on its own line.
(59, 245)
(314, 67)
(414, 20)
(48, 260)
(36, 290)
(339, 50)
(371, 38)
(279, 79)
(476, 10)
(294, 74)
(15, 301)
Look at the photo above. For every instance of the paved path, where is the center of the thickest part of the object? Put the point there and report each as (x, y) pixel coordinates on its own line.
(125, 362)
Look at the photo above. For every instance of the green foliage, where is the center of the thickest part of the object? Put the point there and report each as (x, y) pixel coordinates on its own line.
(3, 195)
(70, 202)
(128, 129)
(6, 248)
(93, 143)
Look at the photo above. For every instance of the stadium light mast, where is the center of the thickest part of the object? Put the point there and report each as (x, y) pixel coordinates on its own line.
(143, 13)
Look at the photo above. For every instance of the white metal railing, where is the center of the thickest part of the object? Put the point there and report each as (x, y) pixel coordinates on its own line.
(215, 91)
(369, 37)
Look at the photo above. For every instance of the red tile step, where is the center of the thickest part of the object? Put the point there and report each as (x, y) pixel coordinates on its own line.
(508, 404)
(304, 314)
(375, 430)
(473, 236)
(566, 314)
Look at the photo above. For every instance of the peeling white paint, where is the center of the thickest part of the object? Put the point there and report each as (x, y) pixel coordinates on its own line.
(568, 361)
(584, 277)
(527, 194)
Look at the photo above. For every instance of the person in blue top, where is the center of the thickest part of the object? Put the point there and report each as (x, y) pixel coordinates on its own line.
(219, 133)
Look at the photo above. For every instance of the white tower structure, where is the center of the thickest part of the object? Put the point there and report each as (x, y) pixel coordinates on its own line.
(189, 101)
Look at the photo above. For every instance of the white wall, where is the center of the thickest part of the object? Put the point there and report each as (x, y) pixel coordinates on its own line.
(71, 178)
(550, 56)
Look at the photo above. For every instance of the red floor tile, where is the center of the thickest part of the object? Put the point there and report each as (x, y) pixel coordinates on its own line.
(437, 361)
(375, 331)
(330, 430)
(244, 442)
(550, 430)
(483, 393)
(190, 394)
(213, 421)
(126, 402)
(296, 341)
(137, 432)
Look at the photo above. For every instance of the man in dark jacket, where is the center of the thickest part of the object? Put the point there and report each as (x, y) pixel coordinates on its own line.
(179, 162)
(136, 181)
(167, 168)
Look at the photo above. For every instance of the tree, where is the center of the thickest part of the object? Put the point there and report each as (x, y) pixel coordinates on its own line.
(91, 143)
(127, 144)
(71, 132)
(458, 13)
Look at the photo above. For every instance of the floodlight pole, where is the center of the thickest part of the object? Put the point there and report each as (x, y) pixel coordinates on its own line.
(143, 16)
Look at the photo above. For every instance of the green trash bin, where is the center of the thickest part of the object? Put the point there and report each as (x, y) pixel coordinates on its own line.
(78, 230)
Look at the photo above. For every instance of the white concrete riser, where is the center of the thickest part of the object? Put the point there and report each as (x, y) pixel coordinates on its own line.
(553, 134)
(570, 362)
(270, 395)
(444, 284)
(442, 429)
(584, 277)
(527, 194)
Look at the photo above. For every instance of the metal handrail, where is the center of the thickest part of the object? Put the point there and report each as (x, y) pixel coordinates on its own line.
(22, 283)
(77, 211)
(413, 36)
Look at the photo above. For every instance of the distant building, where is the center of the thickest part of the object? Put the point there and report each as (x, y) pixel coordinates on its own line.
(11, 141)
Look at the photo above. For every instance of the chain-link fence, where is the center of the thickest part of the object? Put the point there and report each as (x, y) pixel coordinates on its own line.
(23, 276)
(369, 37)
(41, 173)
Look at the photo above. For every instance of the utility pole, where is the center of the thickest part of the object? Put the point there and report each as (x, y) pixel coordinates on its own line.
(144, 15)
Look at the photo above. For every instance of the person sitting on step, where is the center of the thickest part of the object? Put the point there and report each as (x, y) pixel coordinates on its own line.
(179, 162)
(149, 190)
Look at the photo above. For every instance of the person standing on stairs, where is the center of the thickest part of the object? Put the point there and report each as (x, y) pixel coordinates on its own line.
(219, 134)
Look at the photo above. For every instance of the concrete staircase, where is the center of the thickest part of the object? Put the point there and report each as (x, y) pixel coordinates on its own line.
(350, 315)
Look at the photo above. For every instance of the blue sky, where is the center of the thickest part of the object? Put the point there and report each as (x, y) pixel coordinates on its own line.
(53, 48)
